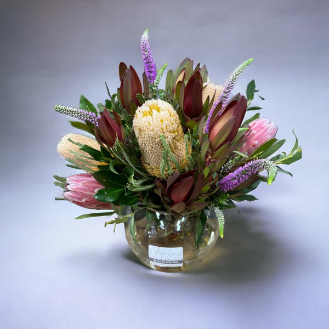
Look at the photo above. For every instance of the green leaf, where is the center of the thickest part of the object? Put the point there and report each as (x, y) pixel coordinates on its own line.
(151, 217)
(254, 117)
(128, 199)
(254, 108)
(109, 194)
(140, 188)
(60, 179)
(272, 149)
(109, 179)
(284, 171)
(262, 98)
(100, 107)
(247, 197)
(277, 157)
(251, 90)
(95, 154)
(60, 199)
(204, 148)
(115, 163)
(291, 159)
(241, 154)
(96, 214)
(191, 124)
(264, 147)
(247, 189)
(295, 145)
(86, 105)
(206, 172)
(108, 104)
(132, 228)
(119, 220)
(200, 226)
(106, 153)
(81, 126)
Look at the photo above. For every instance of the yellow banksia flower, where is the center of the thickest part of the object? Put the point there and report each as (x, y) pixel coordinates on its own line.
(72, 153)
(153, 118)
(210, 89)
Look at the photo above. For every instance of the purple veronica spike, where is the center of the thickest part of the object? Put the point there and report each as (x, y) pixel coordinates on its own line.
(242, 174)
(229, 85)
(149, 65)
(80, 114)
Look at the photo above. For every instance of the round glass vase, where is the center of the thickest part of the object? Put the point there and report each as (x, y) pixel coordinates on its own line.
(171, 242)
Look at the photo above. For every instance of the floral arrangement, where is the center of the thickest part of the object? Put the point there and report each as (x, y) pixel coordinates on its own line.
(181, 149)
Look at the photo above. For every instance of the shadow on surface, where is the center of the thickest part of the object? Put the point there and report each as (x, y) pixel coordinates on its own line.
(247, 252)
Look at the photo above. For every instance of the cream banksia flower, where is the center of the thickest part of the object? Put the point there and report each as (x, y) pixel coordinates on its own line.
(209, 89)
(153, 118)
(69, 148)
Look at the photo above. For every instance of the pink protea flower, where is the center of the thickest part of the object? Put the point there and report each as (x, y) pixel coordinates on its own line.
(80, 189)
(261, 130)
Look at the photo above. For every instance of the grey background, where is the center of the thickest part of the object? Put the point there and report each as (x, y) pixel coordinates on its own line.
(272, 268)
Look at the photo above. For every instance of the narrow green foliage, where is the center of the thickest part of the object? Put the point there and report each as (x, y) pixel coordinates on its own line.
(60, 179)
(200, 227)
(170, 155)
(97, 214)
(60, 184)
(140, 98)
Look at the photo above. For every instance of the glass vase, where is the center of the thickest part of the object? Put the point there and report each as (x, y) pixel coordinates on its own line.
(171, 242)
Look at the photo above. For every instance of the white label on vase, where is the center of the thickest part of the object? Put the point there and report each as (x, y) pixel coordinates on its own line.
(166, 257)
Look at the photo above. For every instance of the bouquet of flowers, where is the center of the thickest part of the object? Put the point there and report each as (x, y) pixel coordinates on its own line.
(181, 151)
